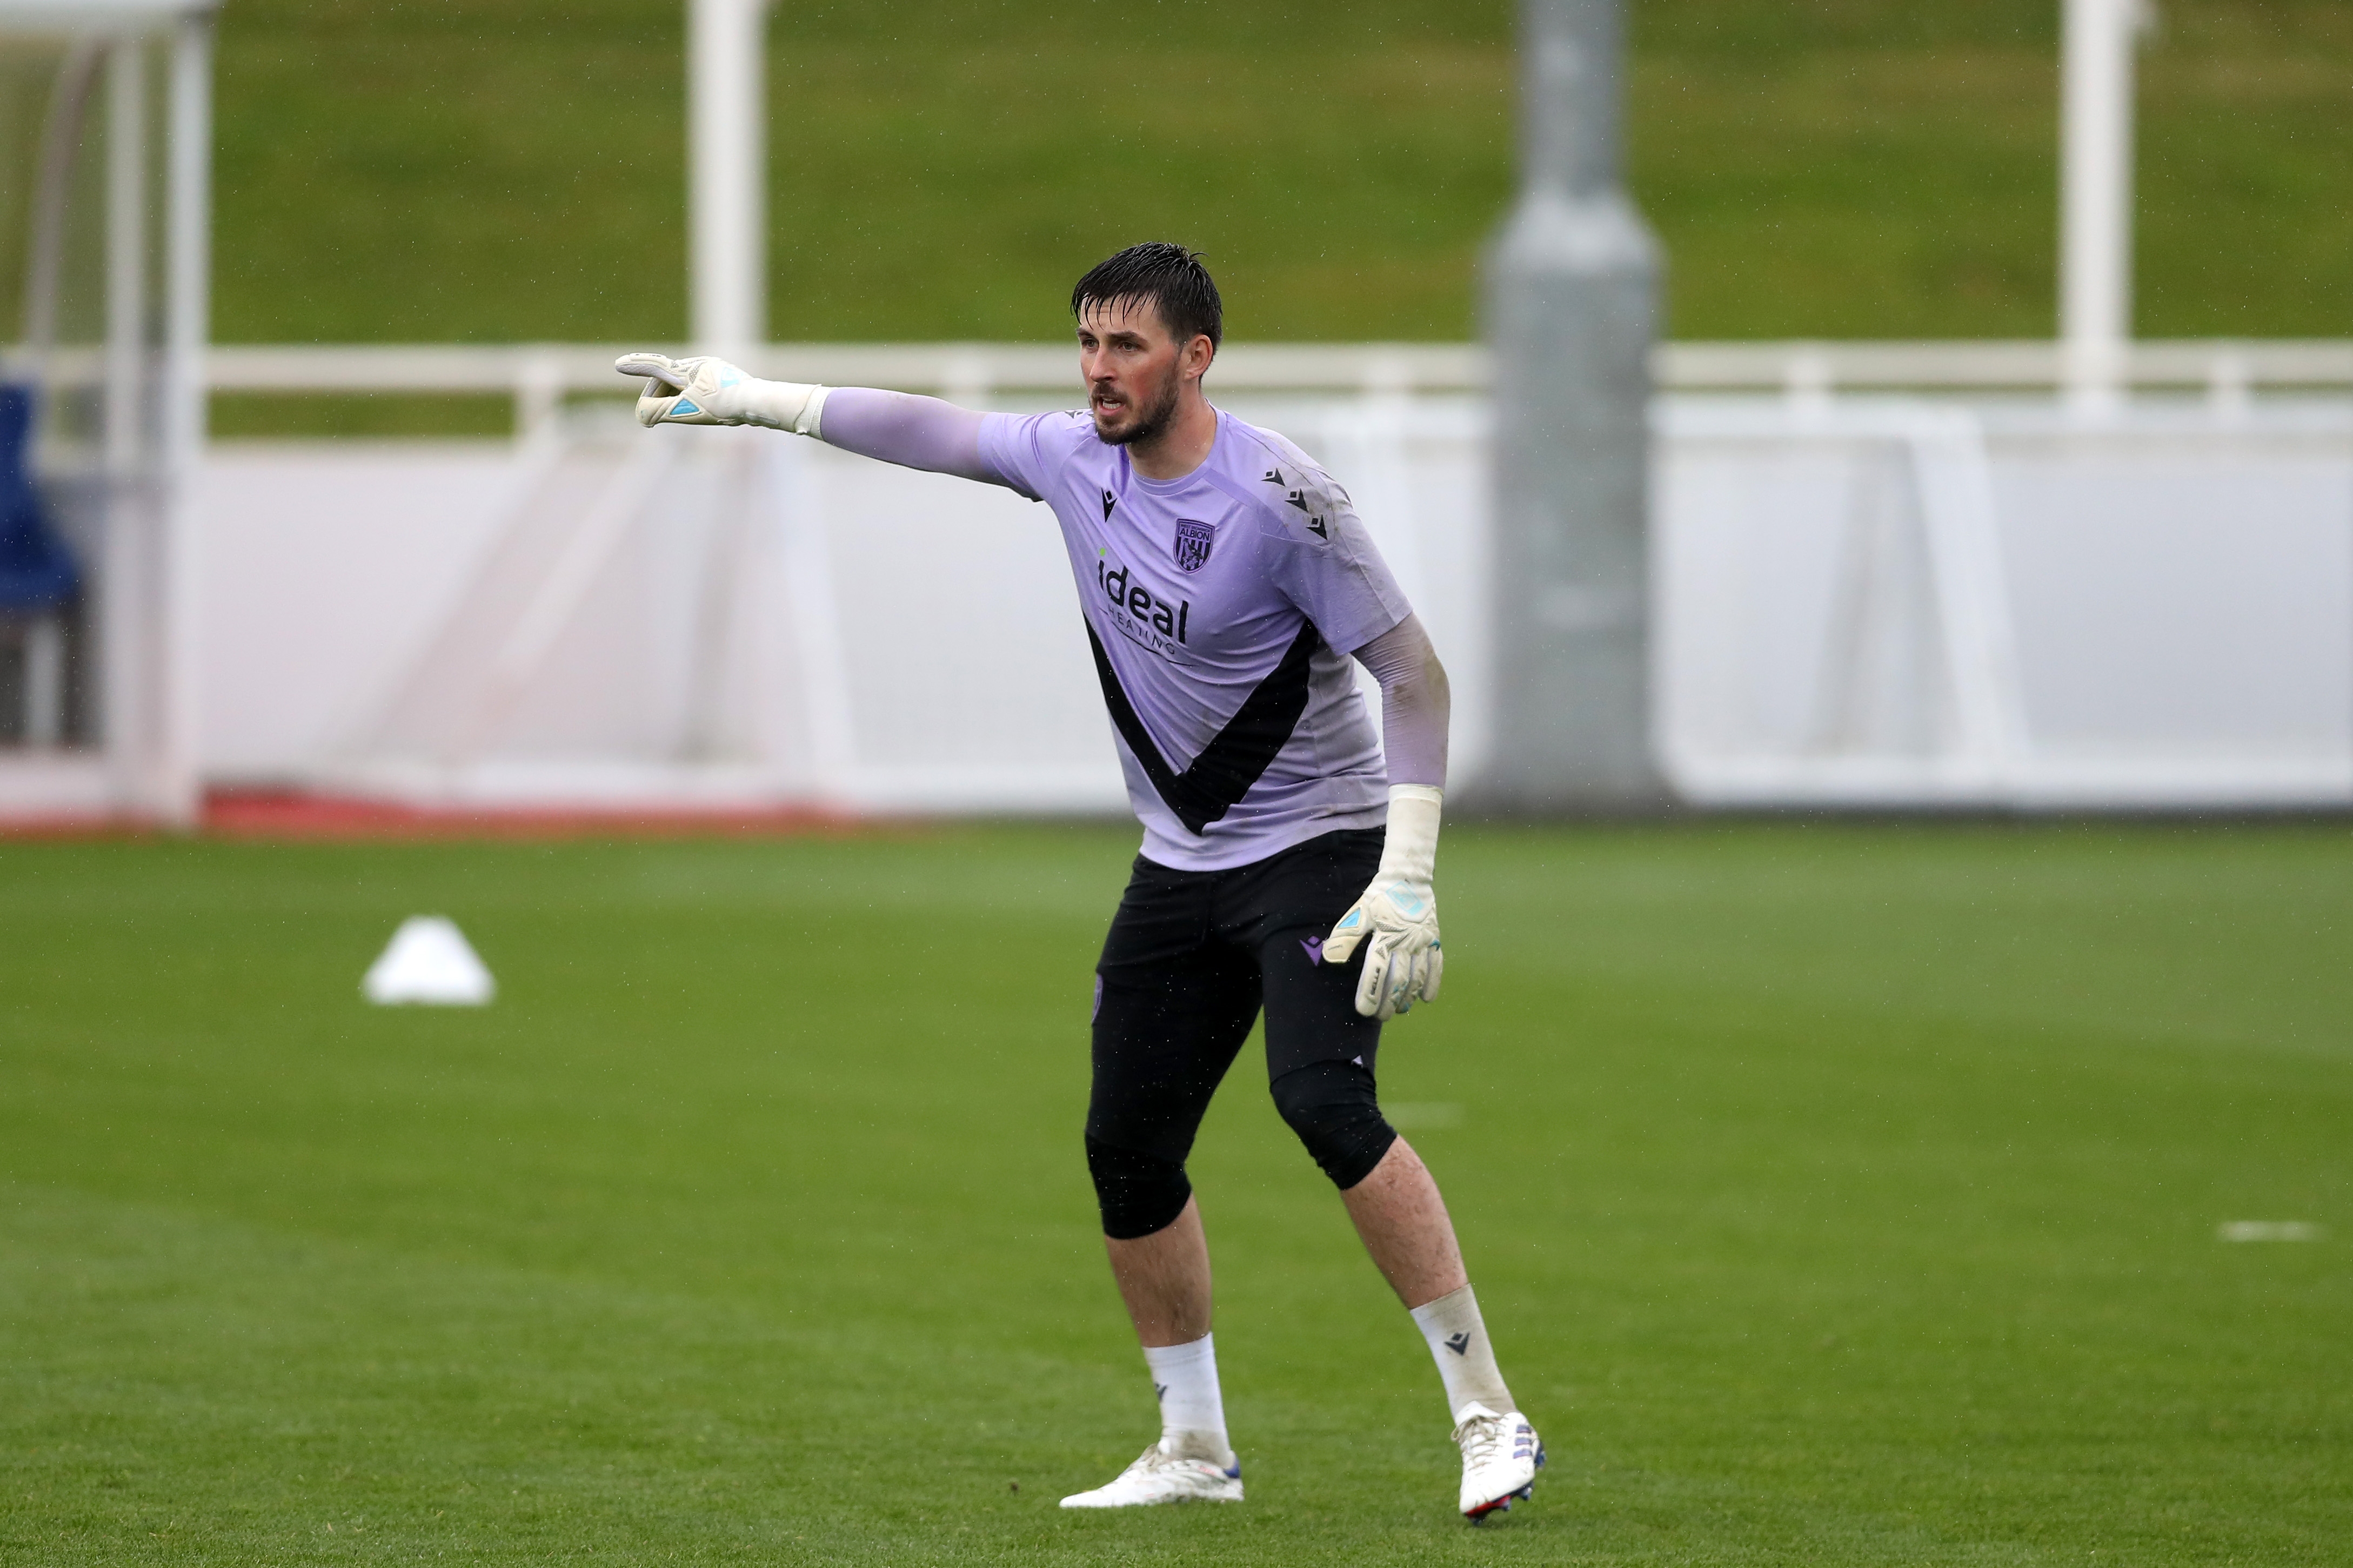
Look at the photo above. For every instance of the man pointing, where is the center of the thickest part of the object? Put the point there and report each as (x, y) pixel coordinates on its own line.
(1288, 854)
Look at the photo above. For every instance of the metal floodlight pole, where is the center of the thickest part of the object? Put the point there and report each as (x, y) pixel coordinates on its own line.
(1572, 307)
(727, 173)
(2097, 196)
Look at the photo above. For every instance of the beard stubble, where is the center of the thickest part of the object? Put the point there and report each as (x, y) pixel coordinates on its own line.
(1151, 422)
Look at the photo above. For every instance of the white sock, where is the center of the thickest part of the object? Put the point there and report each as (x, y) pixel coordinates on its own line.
(1466, 1361)
(1192, 1411)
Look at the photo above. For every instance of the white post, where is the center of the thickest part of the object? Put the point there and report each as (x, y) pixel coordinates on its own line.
(116, 612)
(727, 172)
(2096, 197)
(126, 255)
(175, 785)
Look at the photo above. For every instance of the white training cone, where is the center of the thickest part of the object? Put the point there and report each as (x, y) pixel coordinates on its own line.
(428, 961)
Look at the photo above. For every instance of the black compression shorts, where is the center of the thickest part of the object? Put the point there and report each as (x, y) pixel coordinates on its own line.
(1191, 959)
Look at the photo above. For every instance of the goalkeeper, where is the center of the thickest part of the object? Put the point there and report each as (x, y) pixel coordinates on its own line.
(1286, 868)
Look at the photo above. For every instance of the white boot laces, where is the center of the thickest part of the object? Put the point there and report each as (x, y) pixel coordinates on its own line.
(1482, 1440)
(1155, 1458)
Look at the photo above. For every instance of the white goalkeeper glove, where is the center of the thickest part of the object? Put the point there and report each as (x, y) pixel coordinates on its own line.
(1398, 912)
(707, 390)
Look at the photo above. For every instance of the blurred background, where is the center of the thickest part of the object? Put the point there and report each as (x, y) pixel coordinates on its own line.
(1884, 519)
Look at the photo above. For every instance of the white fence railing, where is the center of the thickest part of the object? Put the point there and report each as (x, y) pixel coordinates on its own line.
(540, 377)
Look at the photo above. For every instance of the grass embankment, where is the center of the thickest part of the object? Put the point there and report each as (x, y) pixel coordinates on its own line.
(1838, 1195)
(512, 170)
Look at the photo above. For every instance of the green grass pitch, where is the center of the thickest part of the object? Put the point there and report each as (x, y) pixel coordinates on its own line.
(1837, 1194)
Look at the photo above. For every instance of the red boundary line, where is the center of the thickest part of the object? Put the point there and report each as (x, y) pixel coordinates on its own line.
(290, 815)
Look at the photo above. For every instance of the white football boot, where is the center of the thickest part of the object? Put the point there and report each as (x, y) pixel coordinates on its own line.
(1501, 1456)
(1159, 1475)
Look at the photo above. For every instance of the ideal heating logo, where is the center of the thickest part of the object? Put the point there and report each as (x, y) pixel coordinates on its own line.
(1147, 611)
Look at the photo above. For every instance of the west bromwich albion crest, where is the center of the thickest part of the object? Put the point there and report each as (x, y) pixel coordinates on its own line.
(1193, 542)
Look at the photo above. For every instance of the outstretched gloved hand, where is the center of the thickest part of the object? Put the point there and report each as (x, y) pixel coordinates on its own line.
(1396, 918)
(707, 390)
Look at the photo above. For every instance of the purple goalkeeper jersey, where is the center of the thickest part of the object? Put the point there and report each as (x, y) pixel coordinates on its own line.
(1222, 608)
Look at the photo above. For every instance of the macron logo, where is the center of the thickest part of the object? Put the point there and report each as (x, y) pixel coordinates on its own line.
(1315, 946)
(1458, 1343)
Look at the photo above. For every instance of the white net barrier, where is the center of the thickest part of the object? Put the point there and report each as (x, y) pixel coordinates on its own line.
(1872, 603)
(1916, 604)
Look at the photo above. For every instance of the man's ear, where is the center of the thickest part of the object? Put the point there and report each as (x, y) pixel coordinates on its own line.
(1198, 353)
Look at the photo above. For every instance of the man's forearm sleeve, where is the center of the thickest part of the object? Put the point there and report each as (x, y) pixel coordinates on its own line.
(1415, 702)
(912, 432)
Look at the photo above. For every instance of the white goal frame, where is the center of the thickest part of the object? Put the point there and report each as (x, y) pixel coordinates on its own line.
(143, 763)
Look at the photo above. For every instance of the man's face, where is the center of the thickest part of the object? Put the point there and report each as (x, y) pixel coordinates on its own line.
(1135, 368)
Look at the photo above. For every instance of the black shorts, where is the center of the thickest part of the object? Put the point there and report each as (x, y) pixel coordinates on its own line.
(1191, 958)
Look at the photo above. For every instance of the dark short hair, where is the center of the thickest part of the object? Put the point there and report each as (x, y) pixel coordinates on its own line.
(1169, 275)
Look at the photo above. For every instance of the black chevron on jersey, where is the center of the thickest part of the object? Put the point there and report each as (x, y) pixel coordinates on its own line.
(1238, 756)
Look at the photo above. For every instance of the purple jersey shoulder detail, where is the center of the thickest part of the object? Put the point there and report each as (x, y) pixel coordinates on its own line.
(1240, 733)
